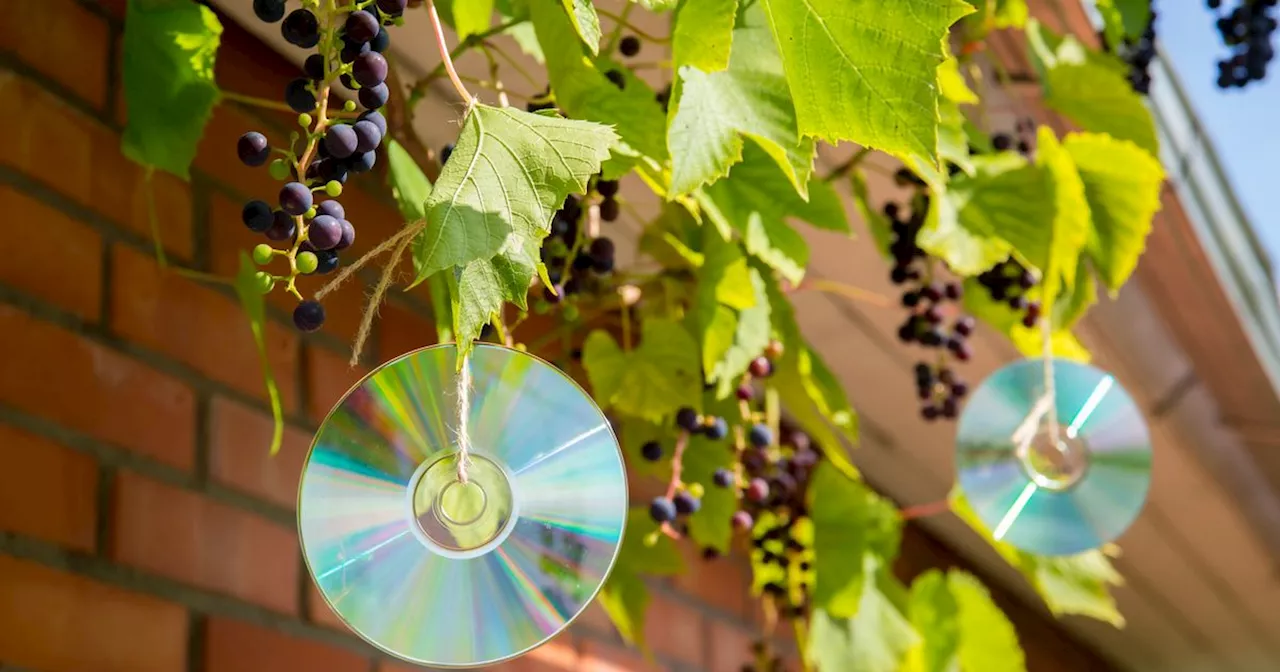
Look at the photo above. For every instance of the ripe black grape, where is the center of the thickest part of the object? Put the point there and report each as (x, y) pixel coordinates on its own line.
(662, 510)
(257, 216)
(283, 227)
(610, 210)
(759, 435)
(327, 261)
(308, 316)
(268, 11)
(686, 503)
(617, 78)
(629, 46)
(298, 96)
(332, 208)
(1247, 32)
(324, 232)
(348, 235)
(380, 42)
(340, 140)
(253, 149)
(392, 7)
(295, 198)
(722, 478)
(651, 451)
(688, 419)
(362, 162)
(761, 367)
(351, 50)
(314, 67)
(373, 97)
(716, 429)
(368, 136)
(301, 28)
(607, 188)
(361, 26)
(376, 119)
(369, 69)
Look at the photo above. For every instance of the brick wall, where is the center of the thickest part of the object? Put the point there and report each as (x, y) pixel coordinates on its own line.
(143, 527)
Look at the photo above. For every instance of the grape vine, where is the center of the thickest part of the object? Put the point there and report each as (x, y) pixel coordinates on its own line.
(686, 333)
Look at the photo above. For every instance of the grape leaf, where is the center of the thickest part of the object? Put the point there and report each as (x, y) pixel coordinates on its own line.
(1028, 341)
(966, 215)
(1124, 19)
(864, 70)
(1122, 184)
(653, 380)
(585, 21)
(1076, 584)
(703, 34)
(712, 112)
(952, 84)
(849, 521)
(168, 55)
(876, 639)
(962, 629)
(932, 611)
(583, 92)
(522, 32)
(624, 595)
(1090, 88)
(409, 185)
(993, 15)
(1056, 251)
(471, 17)
(732, 314)
(509, 172)
(953, 143)
(251, 299)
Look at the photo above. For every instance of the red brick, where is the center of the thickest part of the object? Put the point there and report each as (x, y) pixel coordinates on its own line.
(89, 168)
(730, 647)
(723, 583)
(599, 657)
(319, 611)
(401, 331)
(58, 622)
(183, 536)
(67, 269)
(49, 33)
(87, 387)
(597, 619)
(197, 325)
(331, 378)
(234, 646)
(229, 238)
(240, 453)
(216, 154)
(558, 655)
(46, 491)
(674, 630)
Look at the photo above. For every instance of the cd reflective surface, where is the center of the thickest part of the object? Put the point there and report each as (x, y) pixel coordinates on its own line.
(451, 574)
(1046, 494)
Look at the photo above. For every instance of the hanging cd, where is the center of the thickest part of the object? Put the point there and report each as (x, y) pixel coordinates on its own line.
(1053, 494)
(446, 573)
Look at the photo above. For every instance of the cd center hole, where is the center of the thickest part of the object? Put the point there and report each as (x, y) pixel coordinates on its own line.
(462, 503)
(1056, 463)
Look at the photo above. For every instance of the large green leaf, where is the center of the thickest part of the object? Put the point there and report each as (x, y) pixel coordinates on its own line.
(849, 520)
(965, 220)
(703, 34)
(1028, 340)
(1057, 250)
(625, 596)
(250, 295)
(409, 185)
(962, 629)
(583, 92)
(732, 314)
(1122, 184)
(712, 113)
(471, 17)
(1077, 584)
(653, 380)
(508, 174)
(585, 21)
(933, 613)
(169, 51)
(876, 639)
(866, 70)
(1124, 19)
(1090, 88)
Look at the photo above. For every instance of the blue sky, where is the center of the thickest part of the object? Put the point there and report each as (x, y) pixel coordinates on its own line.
(1242, 123)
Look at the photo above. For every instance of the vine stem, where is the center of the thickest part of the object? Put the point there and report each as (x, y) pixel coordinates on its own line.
(926, 510)
(621, 20)
(419, 89)
(841, 289)
(445, 58)
(677, 468)
(848, 166)
(616, 36)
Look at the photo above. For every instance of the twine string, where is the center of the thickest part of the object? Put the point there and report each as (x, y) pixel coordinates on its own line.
(464, 418)
(1050, 391)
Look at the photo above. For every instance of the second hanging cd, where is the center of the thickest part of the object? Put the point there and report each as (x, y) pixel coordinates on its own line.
(1047, 493)
(447, 572)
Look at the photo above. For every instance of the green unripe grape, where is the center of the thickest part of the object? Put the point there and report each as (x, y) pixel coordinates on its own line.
(307, 262)
(264, 281)
(570, 312)
(333, 188)
(279, 169)
(304, 119)
(696, 490)
(262, 254)
(349, 106)
(310, 214)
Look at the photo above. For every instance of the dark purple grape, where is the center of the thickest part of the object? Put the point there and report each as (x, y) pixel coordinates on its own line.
(965, 326)
(607, 188)
(341, 141)
(283, 227)
(314, 67)
(268, 11)
(742, 521)
(392, 7)
(328, 260)
(381, 41)
(761, 367)
(253, 149)
(629, 46)
(348, 236)
(369, 69)
(295, 198)
(445, 153)
(601, 248)
(686, 503)
(651, 451)
(332, 169)
(610, 210)
(308, 316)
(616, 78)
(373, 97)
(368, 136)
(662, 510)
(374, 117)
(722, 478)
(745, 392)
(361, 26)
(299, 97)
(716, 429)
(257, 216)
(363, 162)
(301, 29)
(759, 435)
(688, 419)
(757, 490)
(352, 50)
(325, 232)
(332, 208)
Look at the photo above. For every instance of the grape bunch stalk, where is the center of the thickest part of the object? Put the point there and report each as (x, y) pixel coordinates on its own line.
(1246, 31)
(306, 222)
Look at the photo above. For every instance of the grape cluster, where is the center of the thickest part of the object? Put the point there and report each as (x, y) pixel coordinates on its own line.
(1009, 282)
(311, 232)
(1138, 54)
(1246, 31)
(925, 300)
(1022, 139)
(576, 262)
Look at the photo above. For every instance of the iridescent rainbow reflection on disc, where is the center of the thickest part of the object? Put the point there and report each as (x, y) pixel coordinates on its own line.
(1053, 497)
(446, 575)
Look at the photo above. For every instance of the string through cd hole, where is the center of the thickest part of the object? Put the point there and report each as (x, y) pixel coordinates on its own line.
(1054, 460)
(461, 503)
